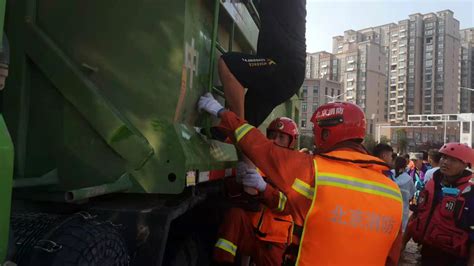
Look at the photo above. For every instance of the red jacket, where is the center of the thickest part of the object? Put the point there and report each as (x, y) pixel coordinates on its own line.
(436, 218)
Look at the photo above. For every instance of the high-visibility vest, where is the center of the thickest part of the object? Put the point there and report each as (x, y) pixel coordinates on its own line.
(356, 213)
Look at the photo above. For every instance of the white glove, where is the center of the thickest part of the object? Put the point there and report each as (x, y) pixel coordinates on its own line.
(241, 170)
(253, 179)
(209, 104)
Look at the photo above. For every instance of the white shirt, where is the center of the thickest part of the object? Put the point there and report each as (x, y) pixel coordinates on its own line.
(429, 174)
(407, 188)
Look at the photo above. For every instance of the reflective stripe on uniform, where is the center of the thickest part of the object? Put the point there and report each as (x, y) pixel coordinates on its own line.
(226, 245)
(241, 131)
(358, 184)
(281, 202)
(303, 188)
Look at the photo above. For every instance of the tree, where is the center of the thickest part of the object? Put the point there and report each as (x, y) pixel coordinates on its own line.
(306, 141)
(384, 139)
(402, 140)
(369, 142)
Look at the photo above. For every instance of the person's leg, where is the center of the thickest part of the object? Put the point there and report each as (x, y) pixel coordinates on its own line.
(234, 91)
(235, 235)
(269, 254)
(239, 71)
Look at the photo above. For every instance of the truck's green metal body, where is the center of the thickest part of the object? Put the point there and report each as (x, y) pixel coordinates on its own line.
(101, 96)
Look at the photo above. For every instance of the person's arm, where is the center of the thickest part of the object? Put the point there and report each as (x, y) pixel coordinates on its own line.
(275, 200)
(283, 166)
(273, 160)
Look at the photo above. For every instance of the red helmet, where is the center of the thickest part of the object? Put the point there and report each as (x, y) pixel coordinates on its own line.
(459, 151)
(286, 126)
(337, 122)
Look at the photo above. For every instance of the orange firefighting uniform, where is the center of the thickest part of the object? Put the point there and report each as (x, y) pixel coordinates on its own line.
(262, 235)
(342, 196)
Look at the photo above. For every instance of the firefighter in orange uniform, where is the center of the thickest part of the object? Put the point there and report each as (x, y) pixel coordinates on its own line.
(262, 235)
(350, 211)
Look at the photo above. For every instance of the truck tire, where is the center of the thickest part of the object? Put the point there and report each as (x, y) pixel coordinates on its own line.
(81, 240)
(188, 252)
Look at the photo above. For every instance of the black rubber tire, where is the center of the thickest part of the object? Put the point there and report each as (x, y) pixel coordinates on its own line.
(82, 241)
(187, 252)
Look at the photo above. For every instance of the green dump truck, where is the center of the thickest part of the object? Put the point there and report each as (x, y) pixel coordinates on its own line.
(101, 147)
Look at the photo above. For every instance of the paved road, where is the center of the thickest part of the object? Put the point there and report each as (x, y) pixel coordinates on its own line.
(411, 255)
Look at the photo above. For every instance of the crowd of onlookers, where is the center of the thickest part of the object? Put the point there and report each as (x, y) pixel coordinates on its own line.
(436, 202)
(410, 171)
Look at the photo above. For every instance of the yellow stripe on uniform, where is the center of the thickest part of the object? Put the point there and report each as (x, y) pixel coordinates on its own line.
(316, 183)
(281, 202)
(227, 246)
(242, 131)
(303, 188)
(358, 184)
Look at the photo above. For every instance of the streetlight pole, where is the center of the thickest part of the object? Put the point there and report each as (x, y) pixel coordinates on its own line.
(444, 139)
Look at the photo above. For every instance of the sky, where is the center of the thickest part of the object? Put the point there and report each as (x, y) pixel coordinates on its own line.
(328, 18)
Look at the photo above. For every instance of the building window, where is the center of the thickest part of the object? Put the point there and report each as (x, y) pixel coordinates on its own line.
(332, 92)
(304, 107)
(304, 93)
(326, 91)
(303, 123)
(315, 90)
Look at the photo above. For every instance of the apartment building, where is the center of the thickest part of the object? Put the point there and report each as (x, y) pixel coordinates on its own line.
(467, 70)
(361, 64)
(316, 92)
(321, 65)
(441, 47)
(420, 64)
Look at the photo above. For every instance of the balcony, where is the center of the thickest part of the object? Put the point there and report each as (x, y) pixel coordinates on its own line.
(350, 88)
(324, 66)
(350, 69)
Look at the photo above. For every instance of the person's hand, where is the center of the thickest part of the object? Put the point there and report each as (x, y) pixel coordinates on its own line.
(253, 179)
(241, 170)
(209, 104)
